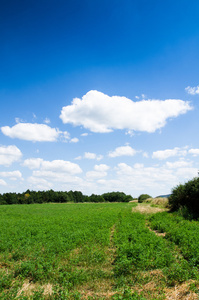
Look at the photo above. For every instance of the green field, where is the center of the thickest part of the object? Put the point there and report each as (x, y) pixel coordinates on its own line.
(95, 251)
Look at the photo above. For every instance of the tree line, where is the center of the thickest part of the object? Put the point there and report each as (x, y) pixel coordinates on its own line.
(30, 197)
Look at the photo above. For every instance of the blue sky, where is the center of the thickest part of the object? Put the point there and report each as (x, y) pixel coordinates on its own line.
(99, 96)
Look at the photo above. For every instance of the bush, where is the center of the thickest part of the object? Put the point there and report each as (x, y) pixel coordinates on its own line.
(143, 197)
(186, 196)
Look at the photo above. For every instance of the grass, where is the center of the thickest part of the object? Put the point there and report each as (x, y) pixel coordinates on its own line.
(96, 251)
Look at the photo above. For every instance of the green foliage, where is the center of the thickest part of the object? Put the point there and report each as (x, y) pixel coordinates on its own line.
(63, 244)
(30, 197)
(186, 195)
(77, 247)
(137, 247)
(143, 197)
(117, 197)
(183, 233)
(128, 295)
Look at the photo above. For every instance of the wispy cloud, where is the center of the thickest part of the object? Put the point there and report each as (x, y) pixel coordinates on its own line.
(74, 140)
(2, 182)
(192, 90)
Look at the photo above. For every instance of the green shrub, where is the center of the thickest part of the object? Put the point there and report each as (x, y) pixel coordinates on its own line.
(143, 197)
(186, 195)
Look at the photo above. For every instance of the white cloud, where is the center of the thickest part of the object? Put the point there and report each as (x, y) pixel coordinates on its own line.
(91, 175)
(187, 173)
(90, 155)
(2, 182)
(138, 166)
(100, 171)
(74, 140)
(33, 163)
(34, 132)
(122, 151)
(195, 152)
(84, 134)
(145, 154)
(9, 154)
(101, 168)
(47, 121)
(130, 132)
(156, 179)
(39, 183)
(12, 175)
(100, 113)
(178, 164)
(192, 90)
(61, 166)
(19, 120)
(164, 154)
(78, 157)
(31, 132)
(53, 176)
(48, 173)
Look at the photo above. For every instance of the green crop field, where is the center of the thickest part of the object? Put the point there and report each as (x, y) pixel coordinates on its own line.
(96, 251)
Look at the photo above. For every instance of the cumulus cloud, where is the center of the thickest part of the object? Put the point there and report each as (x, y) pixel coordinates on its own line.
(34, 132)
(46, 173)
(122, 151)
(39, 183)
(100, 113)
(100, 171)
(9, 154)
(12, 175)
(33, 163)
(164, 154)
(58, 166)
(91, 175)
(158, 179)
(194, 152)
(53, 176)
(178, 164)
(138, 166)
(101, 168)
(90, 155)
(192, 90)
(61, 166)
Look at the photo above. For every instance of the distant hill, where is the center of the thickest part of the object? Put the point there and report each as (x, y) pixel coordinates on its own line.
(163, 196)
